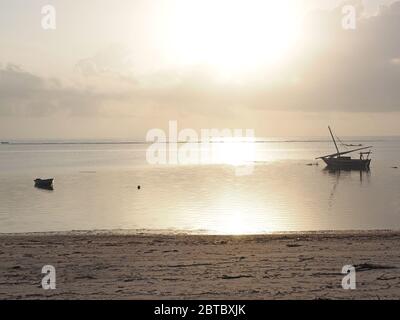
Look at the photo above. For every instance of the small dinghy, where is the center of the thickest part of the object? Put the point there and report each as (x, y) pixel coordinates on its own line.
(44, 184)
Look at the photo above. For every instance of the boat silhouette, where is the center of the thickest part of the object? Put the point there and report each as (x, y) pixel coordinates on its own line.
(338, 161)
(44, 184)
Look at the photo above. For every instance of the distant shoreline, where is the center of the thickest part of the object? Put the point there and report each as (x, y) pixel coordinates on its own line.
(257, 140)
(197, 233)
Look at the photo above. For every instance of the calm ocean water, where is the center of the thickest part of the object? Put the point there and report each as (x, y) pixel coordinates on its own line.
(96, 189)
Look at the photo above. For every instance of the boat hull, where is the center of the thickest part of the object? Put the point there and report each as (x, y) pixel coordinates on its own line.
(345, 163)
(44, 184)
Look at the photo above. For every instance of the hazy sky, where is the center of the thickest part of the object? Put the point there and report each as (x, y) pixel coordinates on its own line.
(115, 69)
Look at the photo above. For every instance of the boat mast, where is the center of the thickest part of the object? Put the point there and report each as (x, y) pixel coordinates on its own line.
(333, 139)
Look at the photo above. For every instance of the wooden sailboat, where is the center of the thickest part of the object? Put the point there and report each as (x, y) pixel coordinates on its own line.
(338, 161)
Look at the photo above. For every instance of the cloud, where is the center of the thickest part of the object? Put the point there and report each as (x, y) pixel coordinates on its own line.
(331, 70)
(25, 94)
(114, 59)
(344, 70)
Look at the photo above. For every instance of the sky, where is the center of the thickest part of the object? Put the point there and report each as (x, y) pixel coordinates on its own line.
(117, 69)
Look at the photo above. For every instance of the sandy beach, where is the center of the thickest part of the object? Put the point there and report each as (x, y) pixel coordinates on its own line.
(115, 266)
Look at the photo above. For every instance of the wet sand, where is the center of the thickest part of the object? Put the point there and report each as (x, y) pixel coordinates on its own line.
(123, 266)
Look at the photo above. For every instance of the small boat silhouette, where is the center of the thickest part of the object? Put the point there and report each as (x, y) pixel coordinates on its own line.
(338, 161)
(44, 184)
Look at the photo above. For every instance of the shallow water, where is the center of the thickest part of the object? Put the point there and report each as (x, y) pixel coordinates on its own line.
(267, 188)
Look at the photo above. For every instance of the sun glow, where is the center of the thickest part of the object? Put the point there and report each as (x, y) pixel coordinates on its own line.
(236, 219)
(235, 35)
(234, 153)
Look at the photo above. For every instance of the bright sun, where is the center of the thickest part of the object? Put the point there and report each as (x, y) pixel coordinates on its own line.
(234, 35)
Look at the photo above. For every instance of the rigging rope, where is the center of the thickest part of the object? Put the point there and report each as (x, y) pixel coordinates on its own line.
(345, 144)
